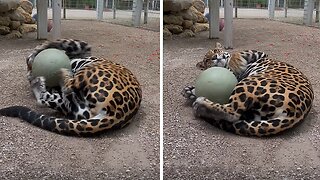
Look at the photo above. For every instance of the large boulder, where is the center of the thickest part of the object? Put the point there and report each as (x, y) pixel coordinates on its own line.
(8, 5)
(200, 17)
(4, 30)
(25, 28)
(184, 17)
(175, 29)
(198, 27)
(4, 21)
(187, 24)
(21, 15)
(26, 5)
(189, 14)
(172, 19)
(166, 34)
(187, 33)
(14, 25)
(14, 35)
(27, 17)
(176, 5)
(199, 5)
(16, 15)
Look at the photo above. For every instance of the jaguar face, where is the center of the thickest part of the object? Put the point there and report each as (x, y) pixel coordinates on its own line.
(214, 58)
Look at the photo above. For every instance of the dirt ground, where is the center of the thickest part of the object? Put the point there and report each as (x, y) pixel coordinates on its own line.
(193, 149)
(27, 152)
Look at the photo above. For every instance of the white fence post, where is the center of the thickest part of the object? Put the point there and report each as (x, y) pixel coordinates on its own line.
(308, 12)
(228, 20)
(285, 4)
(136, 12)
(42, 19)
(214, 19)
(317, 10)
(114, 9)
(99, 10)
(56, 14)
(146, 9)
(271, 8)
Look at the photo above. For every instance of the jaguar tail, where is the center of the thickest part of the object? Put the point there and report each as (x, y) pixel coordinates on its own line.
(85, 127)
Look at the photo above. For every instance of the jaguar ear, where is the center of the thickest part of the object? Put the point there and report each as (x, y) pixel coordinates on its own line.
(218, 45)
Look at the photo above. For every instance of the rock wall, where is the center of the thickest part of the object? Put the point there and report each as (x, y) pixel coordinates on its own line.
(15, 18)
(184, 17)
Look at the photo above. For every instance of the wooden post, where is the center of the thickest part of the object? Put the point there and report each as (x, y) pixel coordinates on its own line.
(228, 20)
(308, 12)
(42, 21)
(56, 16)
(214, 19)
(99, 10)
(146, 9)
(271, 8)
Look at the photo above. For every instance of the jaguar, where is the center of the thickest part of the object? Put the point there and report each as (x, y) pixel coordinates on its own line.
(96, 95)
(270, 97)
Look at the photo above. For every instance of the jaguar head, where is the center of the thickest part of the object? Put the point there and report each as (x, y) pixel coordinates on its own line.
(216, 57)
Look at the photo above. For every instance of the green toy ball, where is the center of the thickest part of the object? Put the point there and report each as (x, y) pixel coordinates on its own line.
(48, 64)
(216, 84)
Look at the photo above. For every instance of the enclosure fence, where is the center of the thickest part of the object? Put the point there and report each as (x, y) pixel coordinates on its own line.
(114, 11)
(290, 11)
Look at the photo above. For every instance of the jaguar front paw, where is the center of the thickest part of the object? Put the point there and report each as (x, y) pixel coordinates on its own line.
(38, 84)
(189, 93)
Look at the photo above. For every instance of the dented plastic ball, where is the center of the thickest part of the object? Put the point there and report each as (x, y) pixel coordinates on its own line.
(48, 64)
(216, 84)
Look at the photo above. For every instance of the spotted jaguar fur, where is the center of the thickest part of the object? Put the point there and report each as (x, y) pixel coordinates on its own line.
(271, 96)
(97, 94)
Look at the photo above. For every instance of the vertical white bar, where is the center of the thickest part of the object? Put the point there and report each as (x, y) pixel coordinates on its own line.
(308, 12)
(99, 9)
(114, 9)
(228, 20)
(161, 92)
(271, 8)
(214, 19)
(42, 21)
(146, 9)
(56, 16)
(317, 10)
(136, 12)
(285, 4)
(64, 9)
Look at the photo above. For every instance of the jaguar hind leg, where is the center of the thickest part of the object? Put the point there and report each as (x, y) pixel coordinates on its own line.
(205, 108)
(227, 118)
(66, 81)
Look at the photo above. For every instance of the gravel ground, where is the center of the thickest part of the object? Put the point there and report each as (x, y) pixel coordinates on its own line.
(27, 152)
(193, 149)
